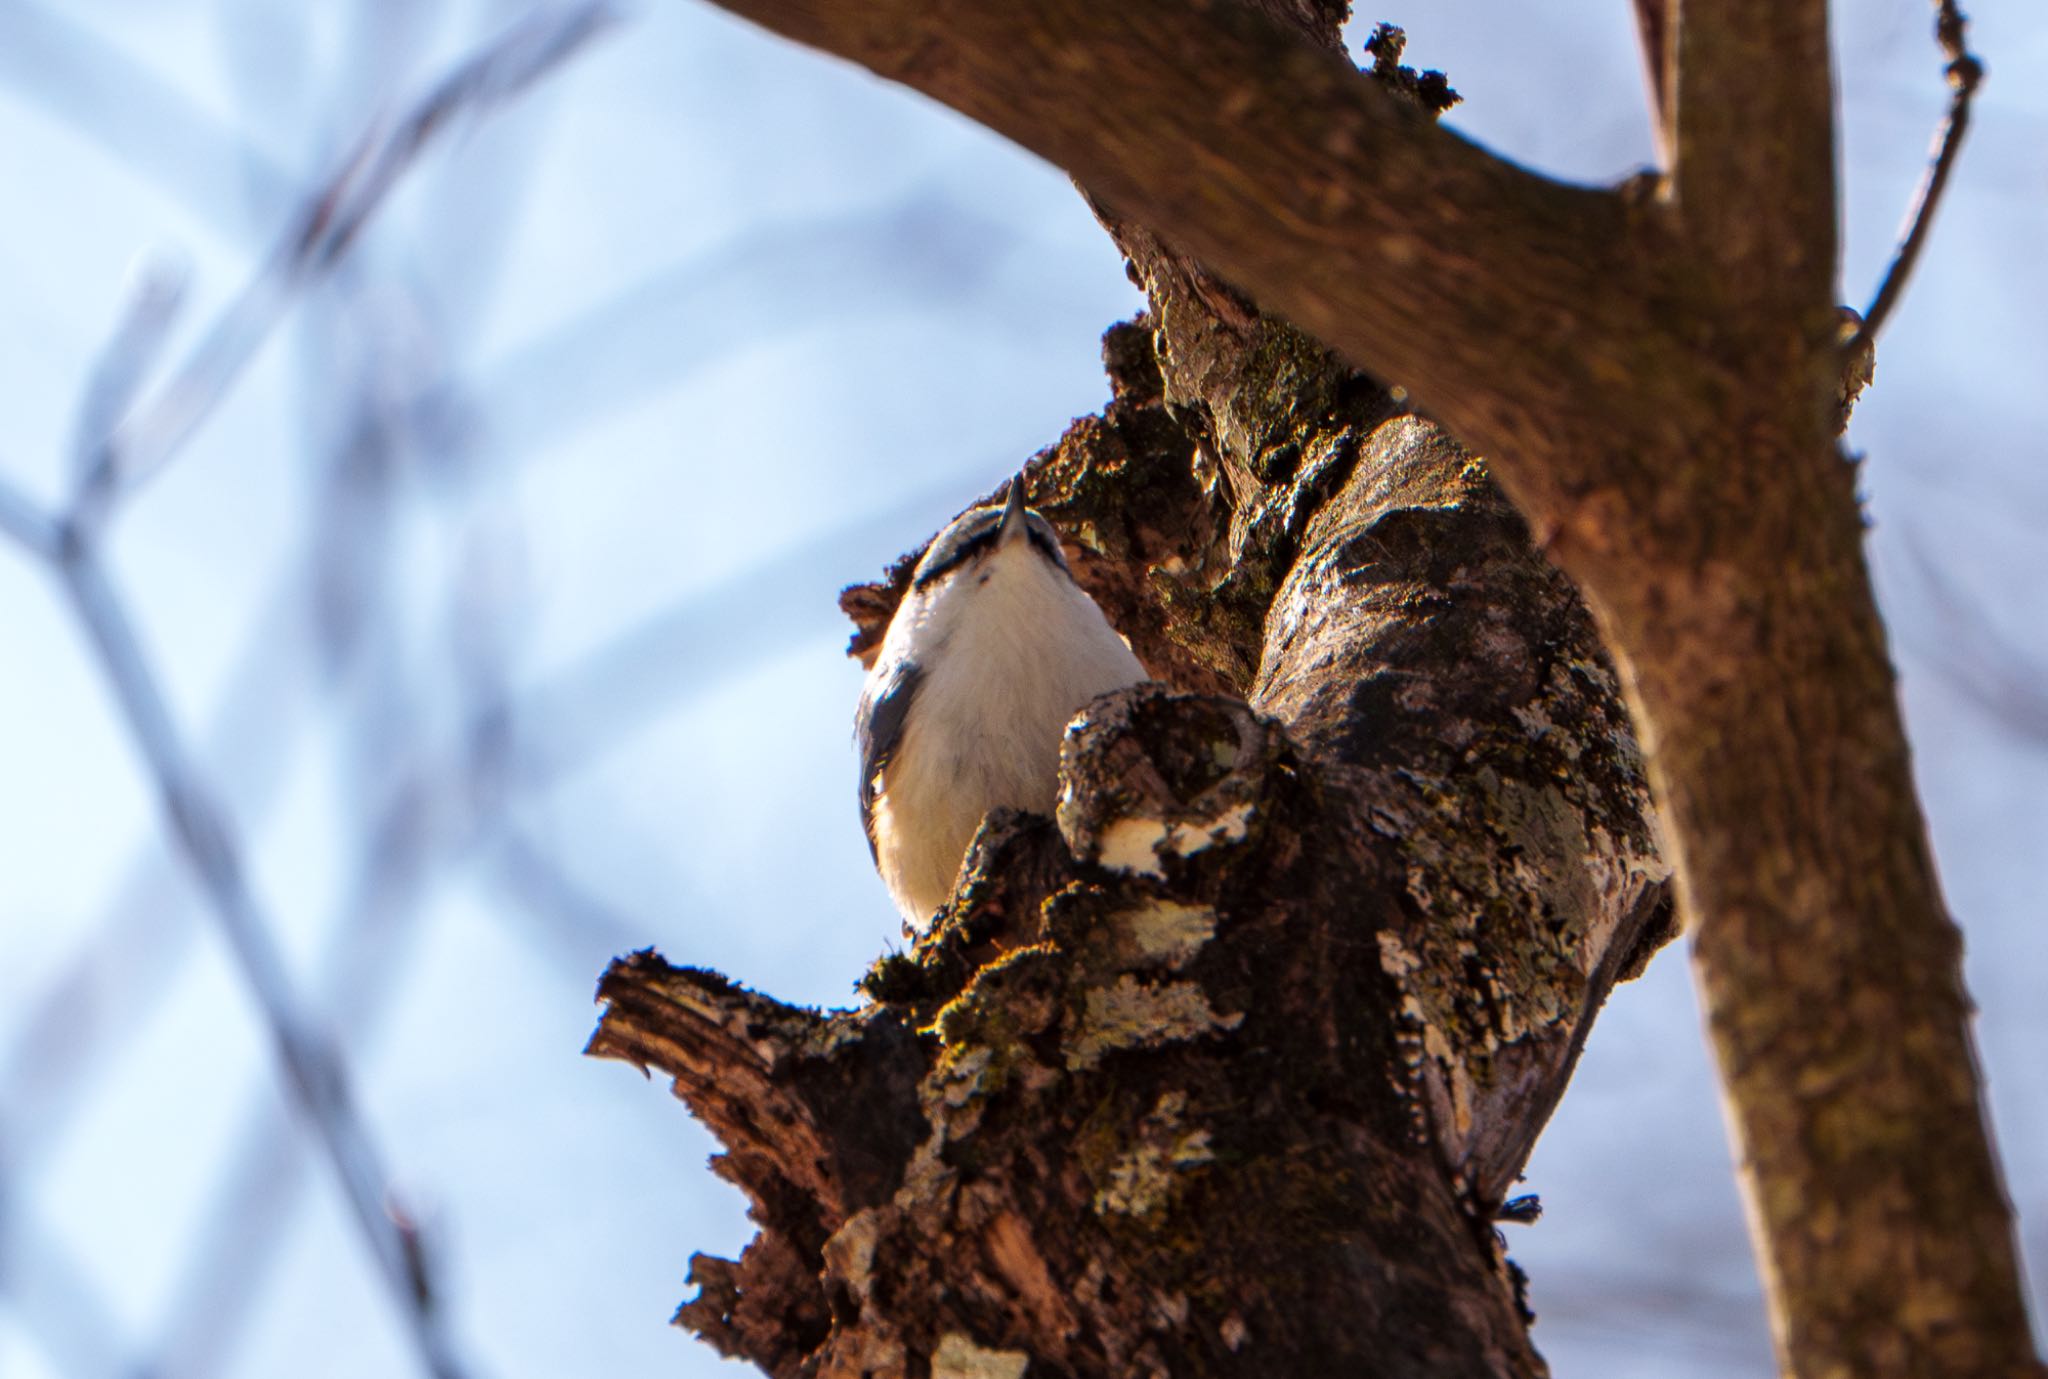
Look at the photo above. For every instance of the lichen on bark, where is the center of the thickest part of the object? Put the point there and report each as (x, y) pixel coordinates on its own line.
(1269, 1016)
(1448, 857)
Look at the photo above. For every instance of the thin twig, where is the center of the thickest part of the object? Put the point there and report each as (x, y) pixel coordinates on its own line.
(138, 340)
(2003, 678)
(110, 461)
(450, 804)
(422, 822)
(1964, 74)
(317, 238)
(22, 520)
(132, 951)
(52, 60)
(311, 1063)
(255, 1197)
(425, 821)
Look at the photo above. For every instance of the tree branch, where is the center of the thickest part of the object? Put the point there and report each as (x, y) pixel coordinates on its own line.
(1318, 873)
(1964, 72)
(1472, 282)
(311, 1064)
(23, 522)
(1657, 392)
(1753, 114)
(140, 442)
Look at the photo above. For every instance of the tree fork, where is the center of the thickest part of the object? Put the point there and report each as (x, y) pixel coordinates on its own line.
(1228, 1071)
(1653, 372)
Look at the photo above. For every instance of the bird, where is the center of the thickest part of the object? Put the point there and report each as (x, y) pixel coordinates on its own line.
(992, 651)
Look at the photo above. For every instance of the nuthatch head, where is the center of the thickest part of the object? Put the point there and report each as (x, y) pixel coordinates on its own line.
(993, 649)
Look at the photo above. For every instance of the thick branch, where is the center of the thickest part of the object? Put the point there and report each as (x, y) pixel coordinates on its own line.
(1488, 291)
(1754, 115)
(1658, 398)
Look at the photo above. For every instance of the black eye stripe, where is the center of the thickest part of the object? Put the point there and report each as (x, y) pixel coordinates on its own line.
(1047, 542)
(942, 560)
(976, 533)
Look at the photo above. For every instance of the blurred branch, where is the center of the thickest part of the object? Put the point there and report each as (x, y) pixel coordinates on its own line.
(454, 801)
(21, 520)
(55, 1298)
(130, 955)
(312, 1066)
(1991, 670)
(319, 235)
(1964, 73)
(768, 283)
(137, 342)
(428, 817)
(91, 85)
(255, 1195)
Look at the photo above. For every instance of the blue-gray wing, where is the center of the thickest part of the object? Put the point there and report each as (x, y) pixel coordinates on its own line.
(878, 732)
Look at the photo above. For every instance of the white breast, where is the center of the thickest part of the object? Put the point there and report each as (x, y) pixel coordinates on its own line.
(1010, 649)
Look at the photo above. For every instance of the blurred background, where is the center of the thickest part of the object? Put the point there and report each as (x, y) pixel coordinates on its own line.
(473, 410)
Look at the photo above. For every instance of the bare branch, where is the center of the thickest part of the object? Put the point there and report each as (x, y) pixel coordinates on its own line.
(312, 1065)
(1964, 73)
(1474, 283)
(322, 232)
(501, 72)
(22, 520)
(442, 808)
(81, 80)
(422, 823)
(148, 920)
(1653, 382)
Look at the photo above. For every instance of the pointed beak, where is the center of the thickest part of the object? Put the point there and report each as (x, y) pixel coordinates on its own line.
(1012, 527)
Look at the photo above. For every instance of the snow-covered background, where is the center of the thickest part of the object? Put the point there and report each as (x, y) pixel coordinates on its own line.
(461, 595)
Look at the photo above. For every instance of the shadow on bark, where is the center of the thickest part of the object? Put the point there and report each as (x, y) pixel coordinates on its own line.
(1228, 1069)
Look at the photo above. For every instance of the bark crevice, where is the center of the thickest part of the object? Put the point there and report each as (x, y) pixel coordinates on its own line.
(1269, 1017)
(1655, 376)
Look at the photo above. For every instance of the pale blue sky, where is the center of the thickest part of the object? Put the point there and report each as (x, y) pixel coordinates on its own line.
(698, 266)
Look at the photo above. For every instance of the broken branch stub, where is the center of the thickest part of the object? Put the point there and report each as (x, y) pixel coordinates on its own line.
(1226, 1069)
(1161, 1117)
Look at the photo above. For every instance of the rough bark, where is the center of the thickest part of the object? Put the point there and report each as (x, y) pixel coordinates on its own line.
(1442, 857)
(1229, 1070)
